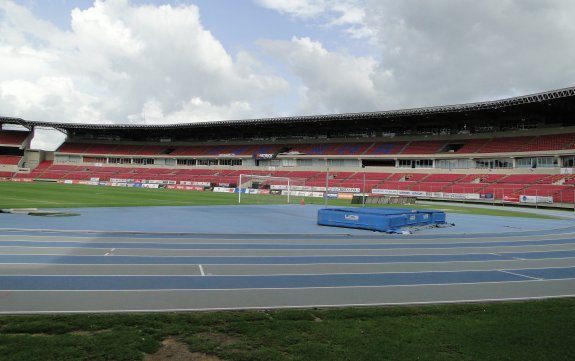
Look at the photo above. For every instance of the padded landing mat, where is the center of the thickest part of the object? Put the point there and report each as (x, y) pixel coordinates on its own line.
(390, 220)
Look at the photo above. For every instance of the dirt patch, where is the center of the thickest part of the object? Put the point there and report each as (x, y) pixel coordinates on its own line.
(173, 350)
(89, 333)
(220, 338)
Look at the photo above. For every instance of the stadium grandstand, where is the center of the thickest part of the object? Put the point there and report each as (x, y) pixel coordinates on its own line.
(519, 150)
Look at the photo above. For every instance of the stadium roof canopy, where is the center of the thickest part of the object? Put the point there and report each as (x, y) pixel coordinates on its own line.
(551, 108)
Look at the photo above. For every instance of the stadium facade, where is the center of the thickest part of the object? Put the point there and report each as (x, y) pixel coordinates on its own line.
(515, 149)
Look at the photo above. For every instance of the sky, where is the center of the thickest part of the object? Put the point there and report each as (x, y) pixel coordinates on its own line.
(185, 61)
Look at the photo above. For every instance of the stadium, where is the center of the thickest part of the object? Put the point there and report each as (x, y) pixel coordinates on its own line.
(471, 161)
(517, 150)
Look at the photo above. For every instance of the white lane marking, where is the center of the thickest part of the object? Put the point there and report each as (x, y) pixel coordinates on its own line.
(291, 288)
(520, 275)
(202, 270)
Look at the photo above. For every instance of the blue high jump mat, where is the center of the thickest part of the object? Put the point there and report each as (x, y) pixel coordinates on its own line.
(389, 220)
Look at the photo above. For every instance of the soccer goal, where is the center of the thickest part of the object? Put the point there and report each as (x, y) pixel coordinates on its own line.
(262, 189)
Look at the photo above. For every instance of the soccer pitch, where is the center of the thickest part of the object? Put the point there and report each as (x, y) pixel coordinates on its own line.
(54, 195)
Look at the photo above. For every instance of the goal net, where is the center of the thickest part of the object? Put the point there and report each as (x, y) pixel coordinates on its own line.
(261, 189)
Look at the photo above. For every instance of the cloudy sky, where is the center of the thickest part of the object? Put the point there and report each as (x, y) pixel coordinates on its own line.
(174, 61)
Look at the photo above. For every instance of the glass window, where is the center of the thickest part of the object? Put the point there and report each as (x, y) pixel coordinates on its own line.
(494, 163)
(186, 161)
(569, 162)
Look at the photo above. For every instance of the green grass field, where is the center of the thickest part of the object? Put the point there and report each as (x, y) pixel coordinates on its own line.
(53, 195)
(534, 330)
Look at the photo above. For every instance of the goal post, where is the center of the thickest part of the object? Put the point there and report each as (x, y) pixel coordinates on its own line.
(261, 188)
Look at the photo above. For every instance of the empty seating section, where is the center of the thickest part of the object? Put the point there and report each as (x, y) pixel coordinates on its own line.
(552, 142)
(501, 190)
(443, 177)
(490, 178)
(227, 149)
(505, 145)
(430, 186)
(483, 145)
(348, 175)
(471, 145)
(424, 147)
(37, 171)
(139, 149)
(192, 150)
(378, 177)
(74, 148)
(224, 150)
(257, 150)
(518, 144)
(10, 159)
(554, 179)
(352, 149)
(565, 196)
(331, 149)
(465, 188)
(112, 149)
(471, 178)
(413, 177)
(416, 147)
(523, 178)
(314, 149)
(102, 149)
(386, 148)
(217, 150)
(543, 190)
(13, 137)
(305, 174)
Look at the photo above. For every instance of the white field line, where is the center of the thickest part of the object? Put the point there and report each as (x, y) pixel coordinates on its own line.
(29, 200)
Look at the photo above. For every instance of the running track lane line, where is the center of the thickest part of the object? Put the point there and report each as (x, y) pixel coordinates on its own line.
(130, 283)
(277, 260)
(275, 246)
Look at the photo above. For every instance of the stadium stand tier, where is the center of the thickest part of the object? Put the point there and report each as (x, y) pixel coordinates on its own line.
(9, 159)
(13, 137)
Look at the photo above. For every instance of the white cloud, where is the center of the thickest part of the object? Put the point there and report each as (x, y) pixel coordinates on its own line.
(347, 14)
(195, 110)
(427, 53)
(119, 59)
(455, 51)
(50, 98)
(47, 139)
(332, 82)
(297, 8)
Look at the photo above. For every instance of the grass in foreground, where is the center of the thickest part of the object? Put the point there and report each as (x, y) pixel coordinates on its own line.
(534, 330)
(53, 195)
